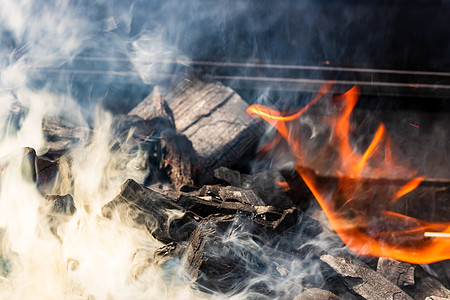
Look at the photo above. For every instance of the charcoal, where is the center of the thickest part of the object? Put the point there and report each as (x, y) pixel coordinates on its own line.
(61, 208)
(230, 193)
(265, 186)
(62, 204)
(232, 177)
(61, 135)
(216, 262)
(154, 106)
(170, 154)
(398, 272)
(314, 294)
(39, 169)
(427, 286)
(267, 216)
(169, 251)
(362, 279)
(164, 219)
(213, 118)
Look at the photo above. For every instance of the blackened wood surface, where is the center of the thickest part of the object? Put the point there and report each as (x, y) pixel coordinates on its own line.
(362, 279)
(314, 294)
(214, 118)
(163, 218)
(398, 272)
(60, 135)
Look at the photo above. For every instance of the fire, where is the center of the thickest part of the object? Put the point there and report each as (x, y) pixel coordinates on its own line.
(361, 211)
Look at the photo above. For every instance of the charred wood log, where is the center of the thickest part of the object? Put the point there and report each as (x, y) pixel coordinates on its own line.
(427, 286)
(152, 123)
(314, 294)
(267, 216)
(165, 220)
(231, 177)
(362, 279)
(398, 272)
(154, 106)
(216, 262)
(213, 118)
(39, 169)
(170, 154)
(61, 135)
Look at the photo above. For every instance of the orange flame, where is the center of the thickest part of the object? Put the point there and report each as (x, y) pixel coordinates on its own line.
(358, 210)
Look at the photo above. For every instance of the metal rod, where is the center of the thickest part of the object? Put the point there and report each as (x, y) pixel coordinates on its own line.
(270, 66)
(437, 234)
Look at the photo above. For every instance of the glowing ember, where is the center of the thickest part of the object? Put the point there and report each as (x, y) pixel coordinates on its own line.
(361, 213)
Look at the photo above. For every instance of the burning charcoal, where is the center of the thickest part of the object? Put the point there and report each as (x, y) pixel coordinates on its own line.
(232, 177)
(428, 286)
(62, 135)
(314, 294)
(266, 216)
(165, 220)
(214, 260)
(398, 272)
(362, 279)
(213, 118)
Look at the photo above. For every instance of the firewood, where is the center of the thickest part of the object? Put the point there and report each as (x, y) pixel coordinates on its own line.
(229, 176)
(214, 262)
(230, 194)
(428, 286)
(170, 154)
(314, 294)
(213, 118)
(269, 217)
(40, 169)
(362, 279)
(154, 105)
(398, 272)
(61, 135)
(165, 220)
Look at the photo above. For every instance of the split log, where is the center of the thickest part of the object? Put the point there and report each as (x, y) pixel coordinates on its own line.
(362, 279)
(398, 272)
(213, 118)
(165, 220)
(314, 294)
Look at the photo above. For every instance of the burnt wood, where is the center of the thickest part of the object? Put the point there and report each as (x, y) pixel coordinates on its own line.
(362, 279)
(398, 272)
(61, 135)
(269, 217)
(315, 293)
(213, 118)
(164, 219)
(214, 261)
